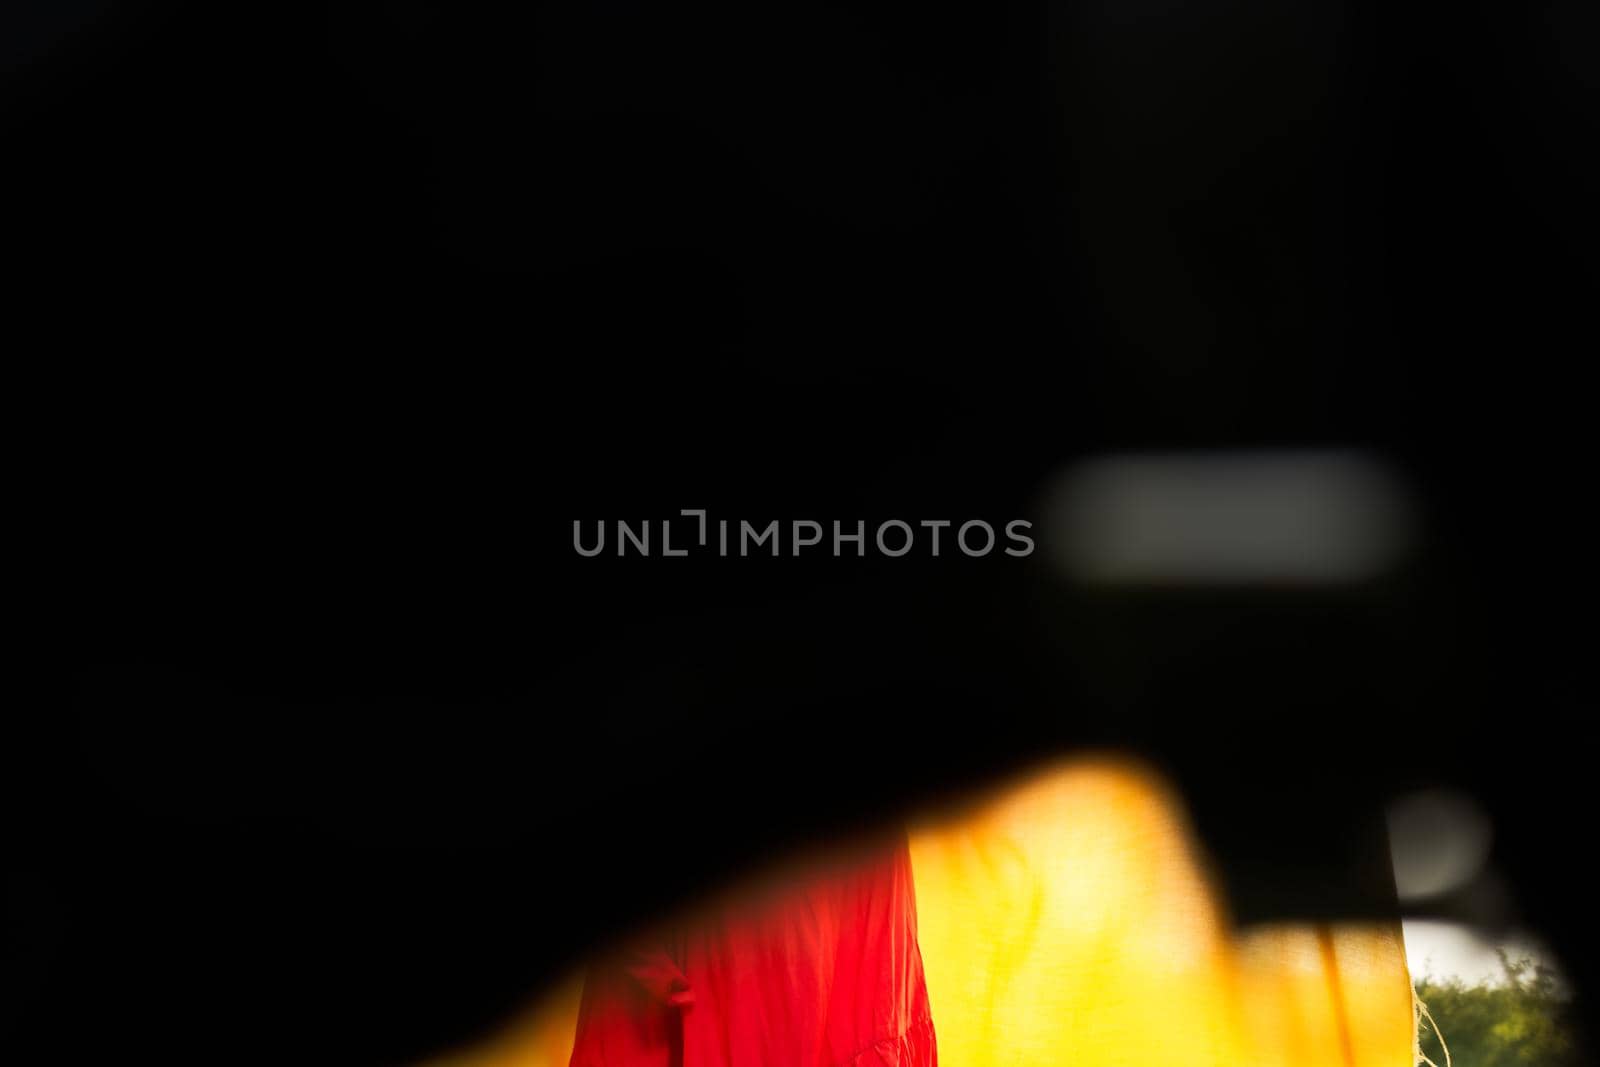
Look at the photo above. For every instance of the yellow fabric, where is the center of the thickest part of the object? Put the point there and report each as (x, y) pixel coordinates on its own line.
(1068, 921)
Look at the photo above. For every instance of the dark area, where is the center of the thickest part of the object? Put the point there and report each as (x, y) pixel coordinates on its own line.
(347, 311)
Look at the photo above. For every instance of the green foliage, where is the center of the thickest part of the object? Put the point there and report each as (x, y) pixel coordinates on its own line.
(1520, 1021)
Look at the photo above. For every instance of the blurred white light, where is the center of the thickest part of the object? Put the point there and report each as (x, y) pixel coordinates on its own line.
(1444, 951)
(1268, 517)
(1438, 841)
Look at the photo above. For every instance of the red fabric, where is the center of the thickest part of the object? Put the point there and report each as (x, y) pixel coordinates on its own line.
(822, 971)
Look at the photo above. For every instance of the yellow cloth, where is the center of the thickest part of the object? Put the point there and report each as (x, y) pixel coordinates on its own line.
(1068, 921)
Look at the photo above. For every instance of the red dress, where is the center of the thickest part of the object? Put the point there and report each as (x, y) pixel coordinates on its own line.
(822, 970)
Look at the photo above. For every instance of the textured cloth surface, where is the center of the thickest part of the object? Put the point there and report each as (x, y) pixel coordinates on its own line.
(1069, 919)
(819, 969)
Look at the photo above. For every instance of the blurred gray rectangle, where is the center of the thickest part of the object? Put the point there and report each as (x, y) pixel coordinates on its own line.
(1228, 518)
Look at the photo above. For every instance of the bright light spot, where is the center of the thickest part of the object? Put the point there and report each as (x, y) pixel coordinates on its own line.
(1438, 841)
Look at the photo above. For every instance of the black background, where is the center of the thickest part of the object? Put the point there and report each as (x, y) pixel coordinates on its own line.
(349, 310)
